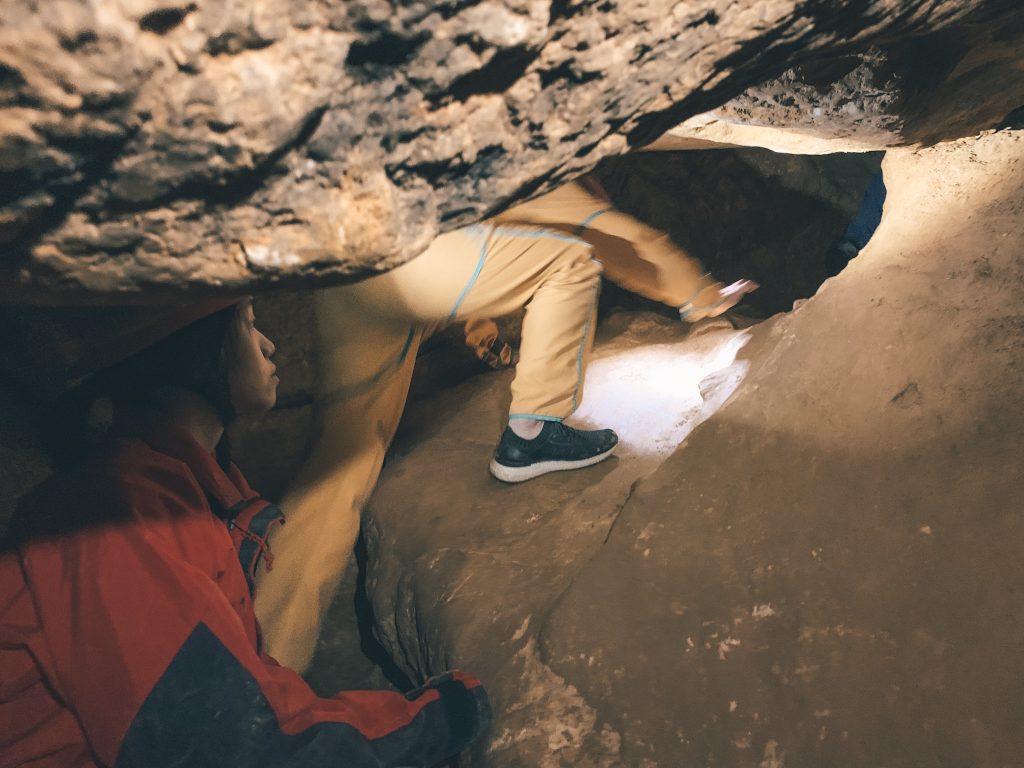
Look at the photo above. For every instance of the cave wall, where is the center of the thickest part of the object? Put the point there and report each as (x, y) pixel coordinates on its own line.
(877, 97)
(848, 524)
(157, 147)
(826, 571)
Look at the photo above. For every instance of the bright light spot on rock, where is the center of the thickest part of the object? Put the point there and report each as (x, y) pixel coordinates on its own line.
(263, 257)
(651, 395)
(521, 632)
(724, 646)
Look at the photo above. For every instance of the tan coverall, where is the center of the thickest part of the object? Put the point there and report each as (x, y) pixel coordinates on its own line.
(368, 335)
(637, 257)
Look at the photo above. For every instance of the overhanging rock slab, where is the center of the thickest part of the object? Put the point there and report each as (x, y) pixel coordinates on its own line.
(159, 148)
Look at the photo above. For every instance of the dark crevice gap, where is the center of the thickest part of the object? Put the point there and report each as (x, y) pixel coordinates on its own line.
(368, 642)
(98, 157)
(439, 173)
(386, 49)
(80, 40)
(1014, 120)
(566, 9)
(617, 512)
(710, 18)
(163, 20)
(499, 74)
(568, 72)
(229, 43)
(452, 9)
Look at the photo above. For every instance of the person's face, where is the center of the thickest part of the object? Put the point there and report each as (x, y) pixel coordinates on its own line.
(252, 379)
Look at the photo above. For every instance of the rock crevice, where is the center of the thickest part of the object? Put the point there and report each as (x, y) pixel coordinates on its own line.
(161, 148)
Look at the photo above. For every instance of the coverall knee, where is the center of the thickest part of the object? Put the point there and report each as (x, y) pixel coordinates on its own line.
(368, 334)
(636, 256)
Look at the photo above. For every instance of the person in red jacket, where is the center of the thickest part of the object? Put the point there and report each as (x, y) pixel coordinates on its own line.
(127, 633)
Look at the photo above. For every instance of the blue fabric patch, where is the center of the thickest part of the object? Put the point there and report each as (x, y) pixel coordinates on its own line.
(249, 549)
(587, 221)
(869, 215)
(536, 416)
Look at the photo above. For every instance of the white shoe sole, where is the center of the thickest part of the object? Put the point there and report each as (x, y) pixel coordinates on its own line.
(520, 474)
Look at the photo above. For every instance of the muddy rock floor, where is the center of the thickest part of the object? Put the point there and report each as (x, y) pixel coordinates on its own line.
(652, 379)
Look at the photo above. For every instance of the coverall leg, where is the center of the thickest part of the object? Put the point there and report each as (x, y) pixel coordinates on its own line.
(368, 336)
(637, 257)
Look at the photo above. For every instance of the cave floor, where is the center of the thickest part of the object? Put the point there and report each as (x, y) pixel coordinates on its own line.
(827, 572)
(651, 378)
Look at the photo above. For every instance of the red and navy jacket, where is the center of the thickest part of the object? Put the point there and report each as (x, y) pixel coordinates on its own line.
(128, 638)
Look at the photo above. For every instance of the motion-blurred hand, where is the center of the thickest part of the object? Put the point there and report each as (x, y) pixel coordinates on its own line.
(731, 295)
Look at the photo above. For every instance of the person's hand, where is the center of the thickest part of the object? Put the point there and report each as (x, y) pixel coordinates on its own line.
(730, 296)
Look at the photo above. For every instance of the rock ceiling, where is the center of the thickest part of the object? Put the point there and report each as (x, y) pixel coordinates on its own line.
(159, 147)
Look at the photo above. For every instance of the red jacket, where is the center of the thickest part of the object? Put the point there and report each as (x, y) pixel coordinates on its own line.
(127, 634)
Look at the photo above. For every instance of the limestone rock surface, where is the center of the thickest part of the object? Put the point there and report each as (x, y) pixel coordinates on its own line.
(163, 147)
(825, 572)
(914, 90)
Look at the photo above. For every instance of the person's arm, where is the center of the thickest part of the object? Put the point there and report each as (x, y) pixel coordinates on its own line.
(634, 255)
(646, 261)
(159, 669)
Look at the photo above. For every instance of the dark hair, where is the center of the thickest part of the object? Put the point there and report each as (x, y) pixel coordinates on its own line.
(194, 358)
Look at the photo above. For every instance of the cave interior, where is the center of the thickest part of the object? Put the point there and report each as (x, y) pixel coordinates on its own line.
(806, 550)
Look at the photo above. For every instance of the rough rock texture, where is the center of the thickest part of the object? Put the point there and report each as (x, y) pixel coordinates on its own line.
(163, 146)
(826, 572)
(748, 213)
(881, 97)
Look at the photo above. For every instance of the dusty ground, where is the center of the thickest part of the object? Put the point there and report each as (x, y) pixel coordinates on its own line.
(826, 572)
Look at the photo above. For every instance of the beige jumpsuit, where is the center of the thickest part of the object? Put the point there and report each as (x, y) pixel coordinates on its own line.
(637, 257)
(368, 335)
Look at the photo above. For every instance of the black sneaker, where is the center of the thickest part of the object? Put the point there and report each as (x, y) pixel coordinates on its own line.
(557, 447)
